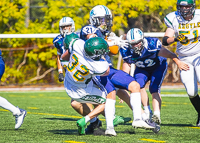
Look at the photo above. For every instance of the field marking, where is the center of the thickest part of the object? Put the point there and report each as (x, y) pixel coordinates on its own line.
(33, 108)
(58, 115)
(151, 140)
(73, 142)
(194, 127)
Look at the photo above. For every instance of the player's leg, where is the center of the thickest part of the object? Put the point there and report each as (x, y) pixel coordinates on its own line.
(111, 95)
(127, 82)
(195, 100)
(145, 103)
(82, 108)
(17, 112)
(155, 84)
(94, 98)
(105, 84)
(142, 77)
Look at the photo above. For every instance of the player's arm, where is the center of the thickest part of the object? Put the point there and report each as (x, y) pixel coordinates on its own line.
(168, 37)
(60, 69)
(65, 56)
(168, 54)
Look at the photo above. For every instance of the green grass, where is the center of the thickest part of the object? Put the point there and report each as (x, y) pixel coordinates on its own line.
(51, 119)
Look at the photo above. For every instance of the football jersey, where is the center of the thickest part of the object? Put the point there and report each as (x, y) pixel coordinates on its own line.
(89, 29)
(188, 28)
(149, 59)
(81, 69)
(58, 43)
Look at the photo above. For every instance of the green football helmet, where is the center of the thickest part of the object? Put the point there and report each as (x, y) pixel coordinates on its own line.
(68, 38)
(95, 47)
(186, 12)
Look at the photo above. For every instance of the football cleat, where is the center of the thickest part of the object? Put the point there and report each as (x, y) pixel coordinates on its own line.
(120, 120)
(90, 128)
(81, 126)
(147, 124)
(110, 132)
(19, 119)
(156, 119)
(198, 121)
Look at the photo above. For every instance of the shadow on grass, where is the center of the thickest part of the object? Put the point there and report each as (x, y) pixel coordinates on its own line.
(178, 125)
(64, 119)
(64, 132)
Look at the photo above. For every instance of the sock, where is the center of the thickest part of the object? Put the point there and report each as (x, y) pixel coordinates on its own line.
(146, 109)
(109, 112)
(87, 119)
(7, 105)
(157, 113)
(93, 120)
(135, 101)
(144, 116)
(196, 103)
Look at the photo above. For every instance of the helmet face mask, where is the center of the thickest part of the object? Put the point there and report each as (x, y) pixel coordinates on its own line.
(137, 47)
(66, 26)
(95, 48)
(101, 17)
(135, 38)
(186, 8)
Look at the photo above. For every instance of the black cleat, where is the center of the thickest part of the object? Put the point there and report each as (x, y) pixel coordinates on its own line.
(90, 128)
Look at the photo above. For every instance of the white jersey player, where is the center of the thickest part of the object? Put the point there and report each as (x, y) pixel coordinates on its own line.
(84, 64)
(185, 25)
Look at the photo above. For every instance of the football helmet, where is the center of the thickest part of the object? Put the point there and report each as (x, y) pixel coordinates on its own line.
(135, 37)
(185, 12)
(101, 17)
(95, 47)
(68, 38)
(65, 21)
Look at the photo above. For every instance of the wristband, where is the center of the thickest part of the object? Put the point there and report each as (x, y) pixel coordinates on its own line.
(60, 70)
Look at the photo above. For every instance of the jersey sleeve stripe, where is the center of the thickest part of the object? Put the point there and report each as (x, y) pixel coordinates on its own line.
(168, 21)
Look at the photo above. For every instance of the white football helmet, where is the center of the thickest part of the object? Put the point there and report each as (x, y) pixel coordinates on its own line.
(64, 22)
(135, 37)
(101, 17)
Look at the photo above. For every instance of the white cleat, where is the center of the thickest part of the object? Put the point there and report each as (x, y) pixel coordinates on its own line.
(143, 124)
(110, 132)
(156, 119)
(20, 118)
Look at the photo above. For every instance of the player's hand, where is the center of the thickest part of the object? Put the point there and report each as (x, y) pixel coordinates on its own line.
(121, 101)
(61, 77)
(119, 41)
(182, 66)
(181, 38)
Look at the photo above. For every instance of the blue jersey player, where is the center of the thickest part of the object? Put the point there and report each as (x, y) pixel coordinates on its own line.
(149, 57)
(66, 26)
(101, 22)
(19, 114)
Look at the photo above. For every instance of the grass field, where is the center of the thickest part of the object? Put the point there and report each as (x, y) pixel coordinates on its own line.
(51, 119)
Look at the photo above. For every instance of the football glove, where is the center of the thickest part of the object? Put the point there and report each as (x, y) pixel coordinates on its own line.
(61, 77)
(119, 41)
(181, 38)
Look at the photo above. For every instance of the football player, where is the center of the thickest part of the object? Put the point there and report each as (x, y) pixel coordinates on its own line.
(66, 26)
(84, 64)
(100, 24)
(148, 56)
(19, 114)
(185, 24)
